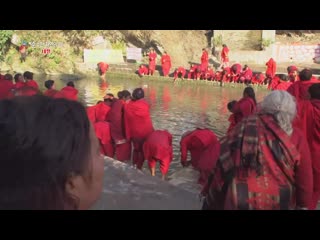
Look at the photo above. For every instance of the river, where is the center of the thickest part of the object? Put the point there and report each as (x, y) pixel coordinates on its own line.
(176, 107)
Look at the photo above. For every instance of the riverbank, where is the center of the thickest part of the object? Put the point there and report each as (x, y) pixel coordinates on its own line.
(126, 188)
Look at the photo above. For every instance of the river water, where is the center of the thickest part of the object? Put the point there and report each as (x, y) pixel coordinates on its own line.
(176, 107)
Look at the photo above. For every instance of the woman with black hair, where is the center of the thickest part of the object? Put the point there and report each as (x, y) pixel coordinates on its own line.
(50, 156)
(246, 105)
(138, 124)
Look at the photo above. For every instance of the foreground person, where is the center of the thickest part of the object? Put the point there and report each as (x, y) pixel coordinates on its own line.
(63, 171)
(158, 148)
(51, 91)
(116, 120)
(310, 115)
(245, 106)
(204, 148)
(264, 163)
(138, 124)
(68, 92)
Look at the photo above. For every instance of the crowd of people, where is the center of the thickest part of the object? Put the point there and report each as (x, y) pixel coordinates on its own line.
(52, 146)
(236, 73)
(25, 85)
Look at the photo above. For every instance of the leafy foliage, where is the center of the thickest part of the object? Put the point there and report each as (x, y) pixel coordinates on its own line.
(5, 37)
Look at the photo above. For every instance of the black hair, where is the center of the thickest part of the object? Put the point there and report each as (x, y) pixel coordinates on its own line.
(283, 77)
(305, 74)
(231, 105)
(28, 75)
(234, 68)
(126, 93)
(314, 91)
(43, 141)
(70, 84)
(48, 84)
(16, 77)
(250, 92)
(224, 45)
(8, 77)
(120, 94)
(137, 94)
(99, 102)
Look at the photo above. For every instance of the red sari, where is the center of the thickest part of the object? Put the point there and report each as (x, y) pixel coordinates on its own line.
(282, 85)
(152, 62)
(244, 108)
(271, 68)
(32, 83)
(67, 92)
(138, 125)
(102, 130)
(204, 148)
(166, 64)
(259, 168)
(204, 61)
(6, 88)
(158, 147)
(116, 120)
(50, 92)
(310, 123)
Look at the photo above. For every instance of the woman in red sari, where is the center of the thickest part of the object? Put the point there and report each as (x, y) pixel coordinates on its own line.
(245, 106)
(138, 124)
(264, 163)
(310, 124)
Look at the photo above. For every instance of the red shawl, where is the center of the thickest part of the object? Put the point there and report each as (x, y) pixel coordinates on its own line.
(255, 169)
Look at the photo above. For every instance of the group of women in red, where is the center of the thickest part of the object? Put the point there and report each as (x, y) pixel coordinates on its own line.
(25, 85)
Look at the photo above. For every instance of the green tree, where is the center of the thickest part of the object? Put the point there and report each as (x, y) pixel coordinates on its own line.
(5, 40)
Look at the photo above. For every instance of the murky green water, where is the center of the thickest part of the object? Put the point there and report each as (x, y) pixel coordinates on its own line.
(175, 107)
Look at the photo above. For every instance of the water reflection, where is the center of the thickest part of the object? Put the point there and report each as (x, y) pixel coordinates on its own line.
(175, 107)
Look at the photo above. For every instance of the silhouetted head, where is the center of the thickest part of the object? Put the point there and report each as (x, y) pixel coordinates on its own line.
(224, 45)
(109, 96)
(314, 91)
(70, 84)
(28, 75)
(283, 77)
(63, 171)
(137, 94)
(234, 68)
(305, 74)
(231, 105)
(249, 92)
(291, 69)
(99, 102)
(126, 94)
(18, 77)
(49, 84)
(120, 94)
(8, 77)
(245, 67)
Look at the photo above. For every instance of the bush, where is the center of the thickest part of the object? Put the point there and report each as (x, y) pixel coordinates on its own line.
(5, 40)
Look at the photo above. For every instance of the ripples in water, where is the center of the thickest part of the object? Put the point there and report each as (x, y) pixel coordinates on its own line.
(176, 108)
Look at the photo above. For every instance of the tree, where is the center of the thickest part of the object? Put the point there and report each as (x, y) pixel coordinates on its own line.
(5, 39)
